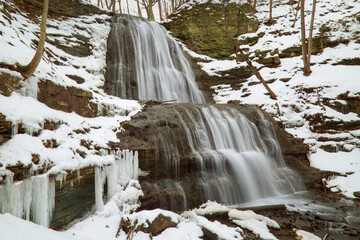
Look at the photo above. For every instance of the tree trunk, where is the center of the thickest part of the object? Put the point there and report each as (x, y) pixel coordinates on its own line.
(127, 6)
(120, 10)
(303, 35)
(160, 11)
(139, 9)
(308, 70)
(296, 14)
(257, 74)
(225, 17)
(28, 70)
(172, 5)
(166, 10)
(108, 6)
(254, 6)
(151, 13)
(113, 5)
(271, 19)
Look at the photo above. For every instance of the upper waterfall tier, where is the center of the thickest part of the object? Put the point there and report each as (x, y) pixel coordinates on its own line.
(145, 62)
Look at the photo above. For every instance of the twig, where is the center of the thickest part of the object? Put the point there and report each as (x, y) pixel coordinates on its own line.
(119, 228)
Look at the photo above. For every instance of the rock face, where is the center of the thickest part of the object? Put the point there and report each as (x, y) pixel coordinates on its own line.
(198, 27)
(74, 196)
(5, 129)
(67, 99)
(8, 83)
(61, 8)
(183, 152)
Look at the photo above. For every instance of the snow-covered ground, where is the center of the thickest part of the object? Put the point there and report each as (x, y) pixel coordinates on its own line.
(104, 225)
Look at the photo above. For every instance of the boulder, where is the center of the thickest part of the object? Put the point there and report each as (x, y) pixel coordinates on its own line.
(156, 227)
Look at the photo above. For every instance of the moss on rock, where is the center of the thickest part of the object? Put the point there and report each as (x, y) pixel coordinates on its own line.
(201, 27)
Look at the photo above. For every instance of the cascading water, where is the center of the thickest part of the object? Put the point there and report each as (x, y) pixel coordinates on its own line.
(229, 154)
(145, 62)
(222, 155)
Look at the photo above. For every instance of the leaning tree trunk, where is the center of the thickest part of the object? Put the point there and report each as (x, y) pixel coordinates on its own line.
(28, 70)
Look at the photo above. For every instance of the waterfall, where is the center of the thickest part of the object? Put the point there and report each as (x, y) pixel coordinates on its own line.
(145, 62)
(238, 158)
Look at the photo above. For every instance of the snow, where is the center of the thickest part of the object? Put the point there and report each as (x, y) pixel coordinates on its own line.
(341, 162)
(256, 227)
(306, 235)
(346, 163)
(221, 230)
(211, 207)
(146, 217)
(248, 214)
(12, 228)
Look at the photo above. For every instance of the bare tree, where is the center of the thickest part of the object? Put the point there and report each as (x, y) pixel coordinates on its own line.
(148, 4)
(306, 46)
(27, 71)
(310, 36)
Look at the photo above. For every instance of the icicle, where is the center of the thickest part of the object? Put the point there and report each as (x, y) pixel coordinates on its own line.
(33, 199)
(43, 199)
(31, 88)
(14, 128)
(61, 177)
(99, 203)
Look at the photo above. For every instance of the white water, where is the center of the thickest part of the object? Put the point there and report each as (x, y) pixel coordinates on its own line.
(158, 65)
(238, 161)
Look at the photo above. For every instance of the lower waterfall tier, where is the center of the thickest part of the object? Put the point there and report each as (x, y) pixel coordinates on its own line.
(199, 152)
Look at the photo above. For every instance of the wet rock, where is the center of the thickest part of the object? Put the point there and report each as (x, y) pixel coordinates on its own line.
(357, 194)
(156, 227)
(74, 196)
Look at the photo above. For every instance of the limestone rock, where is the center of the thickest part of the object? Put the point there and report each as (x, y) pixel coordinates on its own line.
(67, 99)
(9, 83)
(199, 28)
